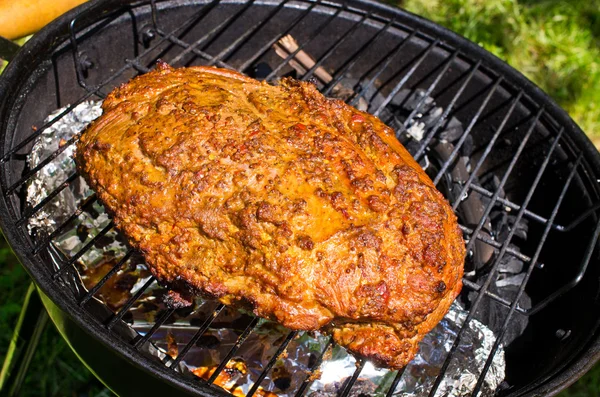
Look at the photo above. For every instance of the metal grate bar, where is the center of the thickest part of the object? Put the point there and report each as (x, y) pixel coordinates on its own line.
(313, 36)
(475, 287)
(215, 31)
(574, 281)
(496, 263)
(536, 217)
(579, 219)
(136, 65)
(140, 340)
(69, 109)
(431, 87)
(355, 58)
(197, 335)
(394, 385)
(270, 43)
(248, 33)
(483, 191)
(193, 19)
(185, 28)
(495, 244)
(44, 127)
(360, 364)
(41, 165)
(201, 54)
(487, 150)
(59, 230)
(442, 119)
(381, 67)
(30, 212)
(106, 277)
(309, 376)
(538, 251)
(86, 96)
(83, 250)
(129, 303)
(335, 46)
(512, 164)
(37, 133)
(271, 362)
(467, 131)
(578, 277)
(405, 78)
(241, 339)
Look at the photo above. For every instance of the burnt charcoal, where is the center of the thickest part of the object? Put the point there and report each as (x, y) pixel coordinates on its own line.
(208, 342)
(237, 324)
(82, 232)
(494, 184)
(184, 311)
(147, 307)
(503, 223)
(312, 360)
(432, 117)
(409, 143)
(283, 383)
(510, 264)
(504, 385)
(493, 314)
(521, 228)
(500, 225)
(452, 131)
(121, 239)
(93, 212)
(197, 322)
(467, 147)
(422, 123)
(128, 317)
(392, 121)
(505, 280)
(410, 100)
(170, 320)
(126, 282)
(260, 71)
(103, 241)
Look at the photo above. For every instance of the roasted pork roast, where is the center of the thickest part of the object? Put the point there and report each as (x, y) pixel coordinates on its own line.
(276, 198)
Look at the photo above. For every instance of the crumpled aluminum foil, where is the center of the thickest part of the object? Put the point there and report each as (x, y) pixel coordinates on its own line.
(290, 370)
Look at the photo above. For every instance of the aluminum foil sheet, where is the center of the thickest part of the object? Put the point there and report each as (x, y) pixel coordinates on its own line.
(291, 368)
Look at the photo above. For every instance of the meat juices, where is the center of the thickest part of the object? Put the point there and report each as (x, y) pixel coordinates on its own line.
(276, 198)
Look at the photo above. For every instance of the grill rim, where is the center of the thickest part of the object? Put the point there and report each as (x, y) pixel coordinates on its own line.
(18, 76)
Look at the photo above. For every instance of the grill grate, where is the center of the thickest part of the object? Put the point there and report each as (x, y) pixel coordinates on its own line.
(383, 76)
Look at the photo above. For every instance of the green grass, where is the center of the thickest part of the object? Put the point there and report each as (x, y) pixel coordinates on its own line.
(554, 43)
(54, 369)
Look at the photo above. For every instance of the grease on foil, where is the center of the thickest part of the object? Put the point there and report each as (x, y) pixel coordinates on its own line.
(291, 368)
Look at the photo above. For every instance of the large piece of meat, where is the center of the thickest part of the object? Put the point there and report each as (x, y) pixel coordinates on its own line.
(275, 197)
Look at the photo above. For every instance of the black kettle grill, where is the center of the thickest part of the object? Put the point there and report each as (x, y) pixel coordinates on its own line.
(521, 175)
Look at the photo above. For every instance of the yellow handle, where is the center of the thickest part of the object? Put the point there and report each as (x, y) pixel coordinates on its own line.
(19, 18)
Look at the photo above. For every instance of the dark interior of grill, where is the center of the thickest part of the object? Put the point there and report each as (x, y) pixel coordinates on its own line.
(532, 190)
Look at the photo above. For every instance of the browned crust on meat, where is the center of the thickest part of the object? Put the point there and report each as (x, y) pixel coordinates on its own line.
(303, 207)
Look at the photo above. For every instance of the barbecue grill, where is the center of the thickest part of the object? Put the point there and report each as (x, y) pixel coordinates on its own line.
(521, 175)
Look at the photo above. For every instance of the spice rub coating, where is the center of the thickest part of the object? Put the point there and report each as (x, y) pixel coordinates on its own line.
(275, 197)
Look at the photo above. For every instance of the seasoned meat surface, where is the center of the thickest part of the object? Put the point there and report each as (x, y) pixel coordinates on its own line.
(275, 197)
